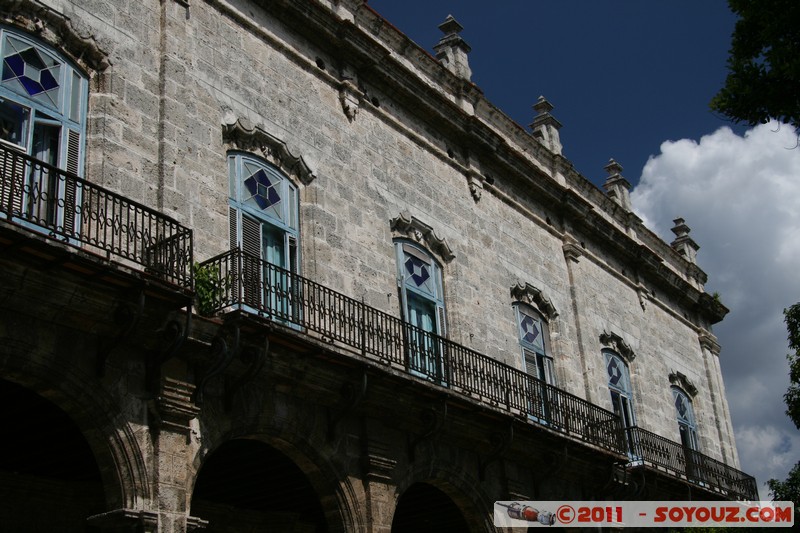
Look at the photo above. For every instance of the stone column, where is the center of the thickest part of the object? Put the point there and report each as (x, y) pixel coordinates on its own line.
(378, 467)
(173, 411)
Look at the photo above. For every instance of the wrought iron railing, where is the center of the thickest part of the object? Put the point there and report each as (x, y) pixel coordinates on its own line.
(61, 204)
(659, 452)
(245, 282)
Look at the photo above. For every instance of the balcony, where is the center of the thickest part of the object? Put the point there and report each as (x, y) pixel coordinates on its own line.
(238, 281)
(59, 204)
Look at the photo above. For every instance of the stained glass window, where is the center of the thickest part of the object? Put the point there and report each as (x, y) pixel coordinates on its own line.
(532, 338)
(420, 282)
(30, 71)
(685, 415)
(619, 385)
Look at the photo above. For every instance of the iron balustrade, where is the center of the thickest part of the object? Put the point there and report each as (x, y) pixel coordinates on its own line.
(700, 469)
(245, 282)
(59, 203)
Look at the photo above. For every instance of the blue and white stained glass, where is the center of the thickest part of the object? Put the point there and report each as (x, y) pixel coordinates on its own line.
(263, 190)
(419, 272)
(615, 372)
(530, 331)
(30, 72)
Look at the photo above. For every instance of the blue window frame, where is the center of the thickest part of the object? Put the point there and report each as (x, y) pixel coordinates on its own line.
(264, 224)
(43, 100)
(619, 385)
(686, 422)
(419, 278)
(534, 340)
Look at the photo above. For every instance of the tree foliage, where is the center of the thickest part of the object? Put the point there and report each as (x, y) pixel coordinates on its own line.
(789, 490)
(764, 65)
(792, 396)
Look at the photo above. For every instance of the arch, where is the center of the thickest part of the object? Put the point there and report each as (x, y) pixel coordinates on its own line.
(245, 483)
(99, 418)
(457, 485)
(423, 508)
(48, 473)
(336, 495)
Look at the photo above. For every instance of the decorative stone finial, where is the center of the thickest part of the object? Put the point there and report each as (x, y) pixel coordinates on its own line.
(545, 127)
(452, 50)
(617, 187)
(683, 244)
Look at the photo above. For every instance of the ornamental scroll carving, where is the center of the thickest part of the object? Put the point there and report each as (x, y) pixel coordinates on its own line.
(244, 136)
(680, 380)
(616, 343)
(531, 295)
(410, 227)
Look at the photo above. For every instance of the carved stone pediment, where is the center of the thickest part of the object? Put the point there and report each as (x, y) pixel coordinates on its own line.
(244, 136)
(680, 380)
(57, 30)
(531, 295)
(616, 343)
(410, 227)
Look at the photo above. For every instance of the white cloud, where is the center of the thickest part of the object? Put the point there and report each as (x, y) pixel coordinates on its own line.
(741, 197)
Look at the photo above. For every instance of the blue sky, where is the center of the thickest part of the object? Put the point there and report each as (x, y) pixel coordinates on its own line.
(623, 75)
(632, 79)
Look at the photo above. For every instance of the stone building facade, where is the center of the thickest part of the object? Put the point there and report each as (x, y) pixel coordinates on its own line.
(271, 265)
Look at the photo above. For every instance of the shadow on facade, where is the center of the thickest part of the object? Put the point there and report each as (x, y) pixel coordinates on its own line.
(49, 479)
(246, 485)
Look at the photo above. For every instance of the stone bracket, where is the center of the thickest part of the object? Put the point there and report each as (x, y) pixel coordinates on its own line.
(432, 423)
(501, 442)
(173, 334)
(126, 315)
(254, 358)
(222, 356)
(352, 396)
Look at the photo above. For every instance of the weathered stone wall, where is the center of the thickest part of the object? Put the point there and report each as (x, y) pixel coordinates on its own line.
(184, 83)
(180, 73)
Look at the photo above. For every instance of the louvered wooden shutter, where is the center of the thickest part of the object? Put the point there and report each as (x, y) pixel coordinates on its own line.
(70, 189)
(530, 363)
(251, 266)
(12, 171)
(233, 232)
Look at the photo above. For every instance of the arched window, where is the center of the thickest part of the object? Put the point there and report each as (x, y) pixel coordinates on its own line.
(534, 340)
(419, 277)
(264, 225)
(42, 114)
(686, 423)
(619, 385)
